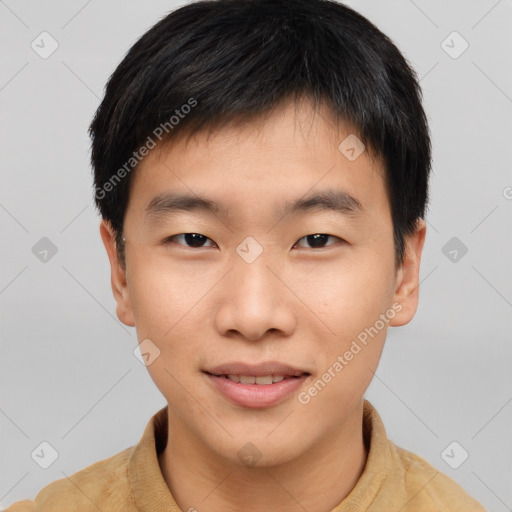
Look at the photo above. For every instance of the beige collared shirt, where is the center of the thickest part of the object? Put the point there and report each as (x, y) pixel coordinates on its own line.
(393, 480)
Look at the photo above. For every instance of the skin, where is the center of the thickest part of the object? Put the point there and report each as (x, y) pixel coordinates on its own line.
(295, 304)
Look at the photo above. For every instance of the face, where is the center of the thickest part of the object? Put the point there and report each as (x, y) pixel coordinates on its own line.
(282, 278)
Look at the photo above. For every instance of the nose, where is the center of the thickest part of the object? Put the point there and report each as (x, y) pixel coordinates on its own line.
(254, 300)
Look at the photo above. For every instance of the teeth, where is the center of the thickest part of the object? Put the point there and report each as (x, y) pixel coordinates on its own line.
(264, 380)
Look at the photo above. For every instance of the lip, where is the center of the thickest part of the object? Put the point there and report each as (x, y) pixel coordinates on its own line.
(258, 370)
(255, 395)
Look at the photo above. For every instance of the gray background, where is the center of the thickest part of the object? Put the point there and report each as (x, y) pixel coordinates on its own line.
(68, 373)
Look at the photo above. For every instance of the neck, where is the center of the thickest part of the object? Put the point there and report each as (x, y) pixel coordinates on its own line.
(316, 481)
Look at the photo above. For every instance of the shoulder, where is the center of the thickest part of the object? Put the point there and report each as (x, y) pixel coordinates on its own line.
(429, 489)
(103, 485)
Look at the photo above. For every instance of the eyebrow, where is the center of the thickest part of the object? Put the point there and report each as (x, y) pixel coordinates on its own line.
(337, 201)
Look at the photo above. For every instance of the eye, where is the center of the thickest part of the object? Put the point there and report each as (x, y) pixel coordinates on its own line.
(318, 240)
(197, 241)
(194, 240)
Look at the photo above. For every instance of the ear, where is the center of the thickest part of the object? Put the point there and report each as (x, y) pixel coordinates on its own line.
(117, 276)
(408, 276)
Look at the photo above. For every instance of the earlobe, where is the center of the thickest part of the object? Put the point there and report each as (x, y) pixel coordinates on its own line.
(407, 278)
(117, 276)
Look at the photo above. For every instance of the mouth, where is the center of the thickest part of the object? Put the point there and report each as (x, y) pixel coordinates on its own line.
(256, 386)
(259, 380)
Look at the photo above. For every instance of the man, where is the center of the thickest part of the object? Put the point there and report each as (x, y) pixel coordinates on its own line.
(261, 168)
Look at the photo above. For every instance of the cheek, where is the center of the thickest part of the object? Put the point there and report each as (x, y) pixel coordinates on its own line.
(163, 305)
(168, 306)
(357, 309)
(351, 304)
(165, 297)
(349, 298)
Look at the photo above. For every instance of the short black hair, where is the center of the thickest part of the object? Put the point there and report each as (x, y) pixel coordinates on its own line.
(214, 62)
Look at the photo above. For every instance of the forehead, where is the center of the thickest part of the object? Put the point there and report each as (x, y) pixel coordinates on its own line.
(294, 159)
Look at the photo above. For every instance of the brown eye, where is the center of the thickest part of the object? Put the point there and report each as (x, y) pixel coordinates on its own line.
(193, 240)
(318, 240)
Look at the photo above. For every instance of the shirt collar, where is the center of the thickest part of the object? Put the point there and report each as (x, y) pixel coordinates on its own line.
(151, 493)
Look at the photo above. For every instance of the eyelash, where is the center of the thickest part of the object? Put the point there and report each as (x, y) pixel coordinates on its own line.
(168, 240)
